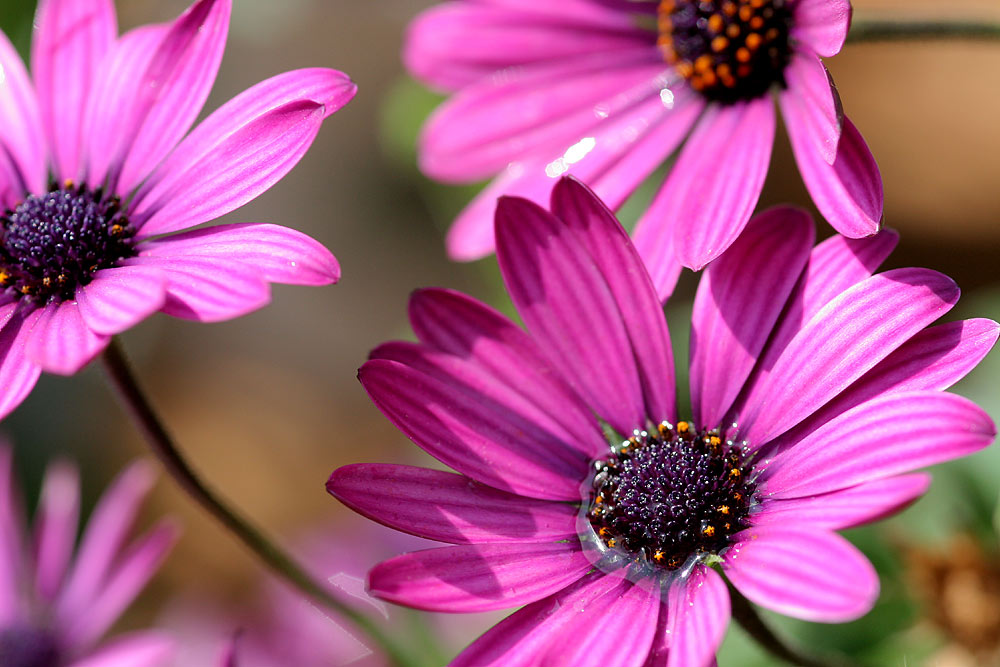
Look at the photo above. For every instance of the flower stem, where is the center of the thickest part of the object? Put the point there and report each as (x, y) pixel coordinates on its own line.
(159, 440)
(754, 625)
(874, 30)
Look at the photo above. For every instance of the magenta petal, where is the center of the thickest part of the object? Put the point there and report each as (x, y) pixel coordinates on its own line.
(854, 506)
(812, 101)
(121, 297)
(698, 617)
(137, 649)
(12, 554)
(55, 527)
(233, 171)
(714, 185)
(447, 507)
(208, 289)
(278, 254)
(809, 574)
(172, 90)
(18, 373)
(70, 40)
(849, 192)
(470, 330)
(323, 87)
(20, 129)
(576, 322)
(822, 24)
(844, 340)
(886, 436)
(473, 436)
(733, 316)
(481, 577)
(61, 342)
(618, 262)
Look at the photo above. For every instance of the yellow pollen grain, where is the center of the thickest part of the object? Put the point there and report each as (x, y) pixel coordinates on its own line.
(703, 63)
(709, 531)
(754, 41)
(682, 427)
(743, 54)
(723, 509)
(716, 23)
(719, 43)
(735, 473)
(729, 8)
(733, 31)
(746, 13)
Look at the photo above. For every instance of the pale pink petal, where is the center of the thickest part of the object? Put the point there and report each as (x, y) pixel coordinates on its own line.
(12, 555)
(70, 41)
(55, 527)
(61, 342)
(854, 506)
(121, 297)
(208, 289)
(469, 329)
(618, 262)
(712, 188)
(137, 649)
(21, 131)
(475, 437)
(18, 373)
(447, 507)
(570, 310)
(233, 171)
(845, 339)
(847, 193)
(885, 436)
(811, 100)
(485, 577)
(822, 24)
(739, 299)
(814, 575)
(698, 617)
(278, 254)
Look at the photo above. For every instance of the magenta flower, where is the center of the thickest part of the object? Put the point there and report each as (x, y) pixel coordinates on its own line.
(609, 89)
(54, 605)
(97, 251)
(816, 388)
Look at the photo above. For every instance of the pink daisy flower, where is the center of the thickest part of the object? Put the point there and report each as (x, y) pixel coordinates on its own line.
(816, 390)
(608, 90)
(106, 118)
(56, 605)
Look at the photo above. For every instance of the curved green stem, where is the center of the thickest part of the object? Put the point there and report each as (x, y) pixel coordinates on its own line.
(885, 30)
(159, 440)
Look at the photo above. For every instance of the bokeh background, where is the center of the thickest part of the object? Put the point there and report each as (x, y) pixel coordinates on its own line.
(268, 405)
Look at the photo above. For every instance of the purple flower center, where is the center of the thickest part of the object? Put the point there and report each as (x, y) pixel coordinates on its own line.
(52, 243)
(728, 50)
(672, 495)
(22, 646)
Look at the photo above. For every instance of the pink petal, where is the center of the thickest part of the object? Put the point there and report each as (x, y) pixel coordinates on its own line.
(12, 556)
(323, 87)
(842, 342)
(570, 310)
(618, 262)
(476, 438)
(55, 527)
(809, 574)
(171, 91)
(61, 342)
(885, 436)
(137, 649)
(233, 171)
(478, 577)
(208, 289)
(811, 100)
(278, 254)
(822, 24)
(733, 316)
(698, 617)
(121, 297)
(447, 507)
(847, 508)
(469, 329)
(455, 44)
(71, 38)
(713, 187)
(20, 129)
(849, 192)
(18, 373)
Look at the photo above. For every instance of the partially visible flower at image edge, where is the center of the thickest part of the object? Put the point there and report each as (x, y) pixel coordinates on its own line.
(608, 90)
(97, 177)
(58, 599)
(816, 390)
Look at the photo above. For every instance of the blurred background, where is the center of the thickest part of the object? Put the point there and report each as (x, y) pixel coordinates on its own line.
(268, 405)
